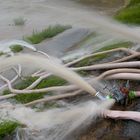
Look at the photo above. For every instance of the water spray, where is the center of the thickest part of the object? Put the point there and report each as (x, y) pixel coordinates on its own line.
(119, 94)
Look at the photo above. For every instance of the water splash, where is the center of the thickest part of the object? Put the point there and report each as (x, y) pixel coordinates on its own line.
(5, 45)
(51, 66)
(56, 124)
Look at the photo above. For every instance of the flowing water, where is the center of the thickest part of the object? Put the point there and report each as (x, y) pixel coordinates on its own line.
(55, 124)
(58, 124)
(5, 45)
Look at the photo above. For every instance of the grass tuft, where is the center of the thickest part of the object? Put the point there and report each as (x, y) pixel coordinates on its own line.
(16, 48)
(7, 127)
(26, 98)
(116, 45)
(130, 14)
(91, 60)
(50, 32)
(19, 21)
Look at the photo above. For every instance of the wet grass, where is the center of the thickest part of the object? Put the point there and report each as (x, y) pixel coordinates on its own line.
(26, 98)
(51, 81)
(20, 21)
(91, 60)
(2, 53)
(16, 48)
(50, 32)
(116, 45)
(7, 127)
(95, 59)
(130, 14)
(133, 2)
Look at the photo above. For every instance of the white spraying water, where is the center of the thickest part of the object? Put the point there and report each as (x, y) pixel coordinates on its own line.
(51, 66)
(55, 124)
(6, 44)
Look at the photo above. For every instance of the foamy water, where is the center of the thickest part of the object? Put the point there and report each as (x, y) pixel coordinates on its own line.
(55, 124)
(50, 66)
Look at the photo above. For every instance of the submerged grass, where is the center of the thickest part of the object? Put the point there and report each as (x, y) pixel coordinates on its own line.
(94, 59)
(16, 48)
(50, 32)
(130, 14)
(116, 45)
(91, 60)
(20, 21)
(26, 98)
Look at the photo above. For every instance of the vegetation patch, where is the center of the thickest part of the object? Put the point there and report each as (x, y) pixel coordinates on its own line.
(83, 73)
(26, 98)
(50, 32)
(19, 21)
(51, 81)
(2, 53)
(130, 14)
(7, 127)
(16, 48)
(91, 60)
(116, 45)
(133, 2)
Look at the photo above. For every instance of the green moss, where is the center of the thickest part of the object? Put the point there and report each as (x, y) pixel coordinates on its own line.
(91, 60)
(25, 98)
(50, 32)
(130, 14)
(16, 48)
(7, 127)
(116, 45)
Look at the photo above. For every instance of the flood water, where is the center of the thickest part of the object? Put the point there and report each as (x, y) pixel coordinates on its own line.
(58, 124)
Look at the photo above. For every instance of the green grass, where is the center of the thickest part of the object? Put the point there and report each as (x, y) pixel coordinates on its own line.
(116, 45)
(16, 48)
(26, 98)
(133, 2)
(97, 58)
(7, 127)
(130, 14)
(50, 32)
(51, 81)
(91, 60)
